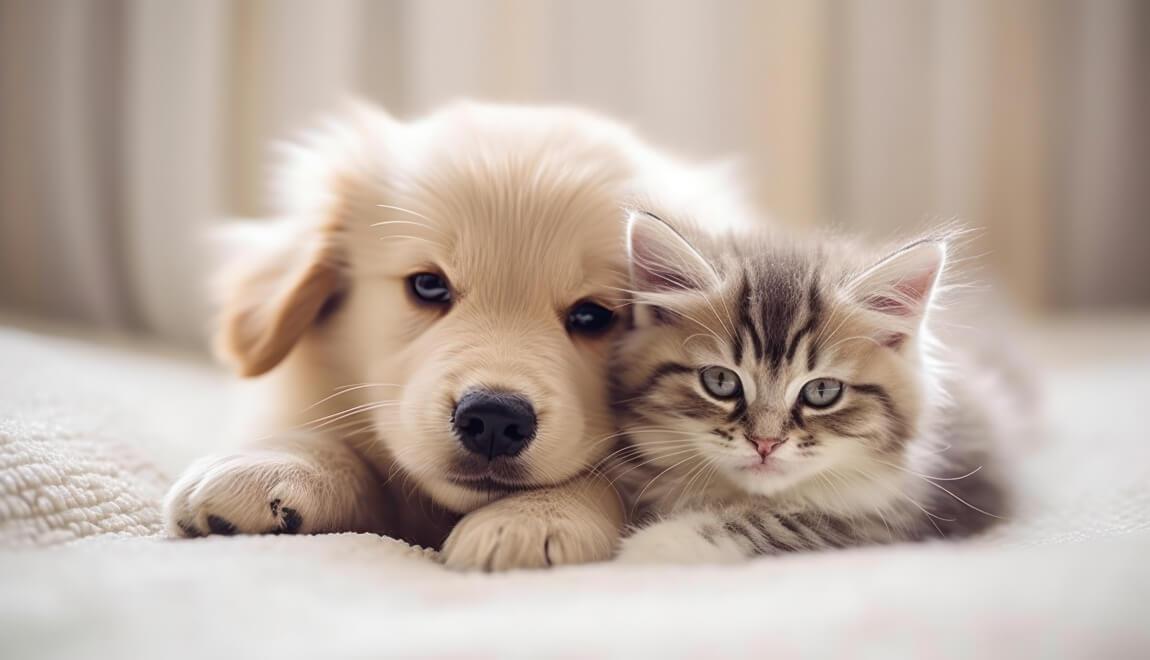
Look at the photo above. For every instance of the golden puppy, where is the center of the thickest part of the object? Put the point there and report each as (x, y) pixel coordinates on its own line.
(433, 309)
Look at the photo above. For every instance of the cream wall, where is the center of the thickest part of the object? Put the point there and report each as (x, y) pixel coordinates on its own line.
(129, 126)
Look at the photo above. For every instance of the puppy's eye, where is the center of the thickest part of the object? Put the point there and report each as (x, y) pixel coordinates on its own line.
(822, 392)
(721, 382)
(430, 288)
(589, 318)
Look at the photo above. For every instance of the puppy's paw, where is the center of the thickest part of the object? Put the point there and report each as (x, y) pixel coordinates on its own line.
(257, 493)
(691, 539)
(504, 536)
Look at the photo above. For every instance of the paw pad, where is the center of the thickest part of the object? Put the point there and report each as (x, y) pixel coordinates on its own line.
(188, 530)
(221, 526)
(290, 519)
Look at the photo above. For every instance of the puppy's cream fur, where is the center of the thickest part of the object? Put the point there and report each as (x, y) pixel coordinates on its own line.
(520, 209)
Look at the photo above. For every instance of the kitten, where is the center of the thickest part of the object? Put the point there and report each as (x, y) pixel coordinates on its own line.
(776, 396)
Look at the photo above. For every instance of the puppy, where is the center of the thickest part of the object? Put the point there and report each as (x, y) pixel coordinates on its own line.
(430, 316)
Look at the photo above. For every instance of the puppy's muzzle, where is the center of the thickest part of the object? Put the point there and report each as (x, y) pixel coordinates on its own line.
(494, 424)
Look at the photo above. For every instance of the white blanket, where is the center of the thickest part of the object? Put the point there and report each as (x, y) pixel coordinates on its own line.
(91, 431)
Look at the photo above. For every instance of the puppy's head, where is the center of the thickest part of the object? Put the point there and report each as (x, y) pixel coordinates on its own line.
(464, 272)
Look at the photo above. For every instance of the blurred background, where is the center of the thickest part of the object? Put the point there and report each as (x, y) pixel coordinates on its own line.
(127, 127)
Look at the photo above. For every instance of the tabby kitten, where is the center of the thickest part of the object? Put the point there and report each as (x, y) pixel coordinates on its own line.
(776, 396)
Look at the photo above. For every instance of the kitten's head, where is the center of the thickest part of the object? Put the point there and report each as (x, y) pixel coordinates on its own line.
(773, 363)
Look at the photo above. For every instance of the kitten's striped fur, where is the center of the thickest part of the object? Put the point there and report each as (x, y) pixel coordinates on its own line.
(902, 455)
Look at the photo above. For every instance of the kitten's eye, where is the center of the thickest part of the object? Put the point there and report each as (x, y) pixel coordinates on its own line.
(721, 382)
(822, 392)
(589, 318)
(430, 288)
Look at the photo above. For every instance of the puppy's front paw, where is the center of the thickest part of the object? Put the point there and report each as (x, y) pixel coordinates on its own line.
(681, 540)
(505, 535)
(258, 493)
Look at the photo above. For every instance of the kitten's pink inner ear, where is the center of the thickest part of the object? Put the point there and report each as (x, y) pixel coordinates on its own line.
(661, 259)
(902, 284)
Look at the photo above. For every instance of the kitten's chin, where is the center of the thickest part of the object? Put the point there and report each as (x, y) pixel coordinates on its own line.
(765, 479)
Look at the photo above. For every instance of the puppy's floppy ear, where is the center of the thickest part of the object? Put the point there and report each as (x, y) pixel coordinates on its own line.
(280, 276)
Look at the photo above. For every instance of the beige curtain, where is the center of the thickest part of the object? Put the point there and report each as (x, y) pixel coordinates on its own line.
(129, 126)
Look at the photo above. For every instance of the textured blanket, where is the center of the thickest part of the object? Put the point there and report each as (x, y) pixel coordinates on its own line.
(93, 429)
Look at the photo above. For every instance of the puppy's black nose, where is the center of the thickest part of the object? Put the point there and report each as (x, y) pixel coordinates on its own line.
(494, 423)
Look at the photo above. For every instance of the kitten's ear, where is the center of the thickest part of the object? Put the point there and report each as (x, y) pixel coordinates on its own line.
(662, 260)
(901, 286)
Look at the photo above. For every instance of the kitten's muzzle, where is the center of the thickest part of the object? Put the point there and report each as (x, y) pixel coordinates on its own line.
(494, 424)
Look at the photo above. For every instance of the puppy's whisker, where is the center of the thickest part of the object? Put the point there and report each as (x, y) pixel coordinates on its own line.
(411, 223)
(403, 210)
(411, 238)
(349, 388)
(354, 410)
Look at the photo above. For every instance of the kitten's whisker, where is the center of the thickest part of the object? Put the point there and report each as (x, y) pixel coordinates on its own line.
(931, 481)
(854, 338)
(876, 508)
(639, 498)
(928, 476)
(838, 318)
(697, 334)
(901, 493)
(620, 434)
(697, 472)
(637, 449)
(650, 461)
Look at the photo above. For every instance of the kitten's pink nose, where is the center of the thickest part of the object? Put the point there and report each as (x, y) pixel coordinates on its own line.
(766, 445)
